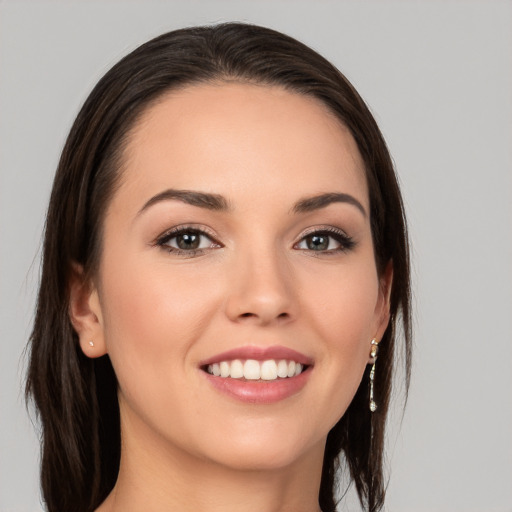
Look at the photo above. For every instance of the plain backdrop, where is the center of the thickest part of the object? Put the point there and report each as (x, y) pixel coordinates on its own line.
(438, 77)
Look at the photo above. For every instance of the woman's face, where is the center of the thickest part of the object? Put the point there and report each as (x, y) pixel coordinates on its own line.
(240, 232)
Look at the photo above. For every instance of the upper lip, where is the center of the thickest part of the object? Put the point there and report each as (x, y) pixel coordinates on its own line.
(259, 354)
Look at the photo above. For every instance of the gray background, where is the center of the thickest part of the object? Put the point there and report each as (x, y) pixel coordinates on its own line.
(438, 77)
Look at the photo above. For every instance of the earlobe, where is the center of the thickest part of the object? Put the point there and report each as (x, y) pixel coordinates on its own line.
(85, 313)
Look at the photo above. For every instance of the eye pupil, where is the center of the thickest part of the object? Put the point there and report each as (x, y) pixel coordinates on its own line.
(188, 241)
(318, 242)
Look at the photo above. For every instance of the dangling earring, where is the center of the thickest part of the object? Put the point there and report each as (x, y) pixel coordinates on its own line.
(373, 355)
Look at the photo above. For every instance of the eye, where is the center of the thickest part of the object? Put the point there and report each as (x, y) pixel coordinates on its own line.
(326, 241)
(187, 241)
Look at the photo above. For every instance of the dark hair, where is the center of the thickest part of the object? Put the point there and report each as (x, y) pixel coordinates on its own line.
(76, 396)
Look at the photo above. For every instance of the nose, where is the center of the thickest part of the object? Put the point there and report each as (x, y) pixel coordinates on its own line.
(261, 289)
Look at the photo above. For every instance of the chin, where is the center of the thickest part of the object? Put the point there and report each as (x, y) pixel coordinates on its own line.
(260, 460)
(266, 451)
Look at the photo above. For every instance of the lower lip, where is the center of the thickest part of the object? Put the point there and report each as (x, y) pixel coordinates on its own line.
(261, 391)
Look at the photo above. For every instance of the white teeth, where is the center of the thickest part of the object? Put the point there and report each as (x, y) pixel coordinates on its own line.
(224, 369)
(237, 369)
(252, 370)
(256, 370)
(269, 370)
(282, 369)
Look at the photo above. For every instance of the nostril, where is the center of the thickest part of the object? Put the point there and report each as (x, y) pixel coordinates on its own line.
(250, 315)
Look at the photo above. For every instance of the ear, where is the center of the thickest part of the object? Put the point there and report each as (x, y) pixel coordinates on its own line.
(85, 313)
(382, 310)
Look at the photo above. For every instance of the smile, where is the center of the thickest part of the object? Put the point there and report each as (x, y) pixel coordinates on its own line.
(258, 375)
(251, 369)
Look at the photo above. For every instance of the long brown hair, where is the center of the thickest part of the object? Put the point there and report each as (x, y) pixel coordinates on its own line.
(76, 397)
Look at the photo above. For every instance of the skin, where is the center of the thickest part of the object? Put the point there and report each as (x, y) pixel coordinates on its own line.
(185, 445)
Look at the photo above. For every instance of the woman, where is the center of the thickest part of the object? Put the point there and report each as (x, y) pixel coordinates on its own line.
(225, 257)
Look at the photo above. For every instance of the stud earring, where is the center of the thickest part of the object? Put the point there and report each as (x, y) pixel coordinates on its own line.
(91, 343)
(373, 355)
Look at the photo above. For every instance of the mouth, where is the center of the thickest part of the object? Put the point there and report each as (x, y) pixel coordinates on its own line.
(258, 375)
(254, 370)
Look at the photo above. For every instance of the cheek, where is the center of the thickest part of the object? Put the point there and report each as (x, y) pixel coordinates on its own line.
(343, 313)
(152, 319)
(343, 304)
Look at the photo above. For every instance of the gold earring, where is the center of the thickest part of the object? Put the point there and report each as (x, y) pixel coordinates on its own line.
(373, 355)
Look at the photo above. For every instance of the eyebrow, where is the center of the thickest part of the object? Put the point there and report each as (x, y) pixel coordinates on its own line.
(216, 202)
(201, 199)
(313, 203)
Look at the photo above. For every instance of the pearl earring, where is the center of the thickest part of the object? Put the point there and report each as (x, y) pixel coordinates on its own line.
(91, 343)
(373, 357)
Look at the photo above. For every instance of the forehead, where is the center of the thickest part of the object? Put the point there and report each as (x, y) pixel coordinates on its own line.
(242, 140)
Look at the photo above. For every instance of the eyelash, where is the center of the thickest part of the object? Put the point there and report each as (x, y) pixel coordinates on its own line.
(346, 242)
(164, 239)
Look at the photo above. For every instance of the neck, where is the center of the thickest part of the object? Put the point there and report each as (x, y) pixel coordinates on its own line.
(157, 480)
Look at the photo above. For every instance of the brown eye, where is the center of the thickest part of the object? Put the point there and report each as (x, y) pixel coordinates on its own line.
(188, 241)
